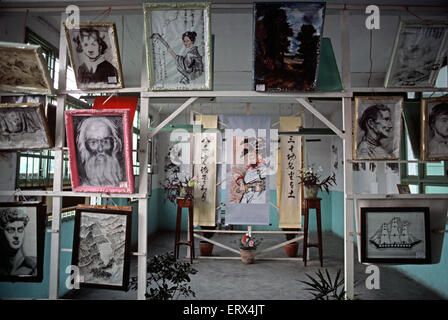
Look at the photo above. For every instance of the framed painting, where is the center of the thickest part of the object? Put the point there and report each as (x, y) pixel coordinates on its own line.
(101, 247)
(178, 45)
(23, 69)
(95, 55)
(24, 126)
(434, 129)
(22, 239)
(403, 189)
(287, 41)
(417, 54)
(377, 128)
(395, 235)
(100, 150)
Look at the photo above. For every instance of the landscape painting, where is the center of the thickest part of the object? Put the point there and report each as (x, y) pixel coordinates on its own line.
(287, 45)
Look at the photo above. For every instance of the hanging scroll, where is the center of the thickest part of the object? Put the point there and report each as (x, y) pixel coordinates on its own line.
(247, 187)
(290, 158)
(205, 169)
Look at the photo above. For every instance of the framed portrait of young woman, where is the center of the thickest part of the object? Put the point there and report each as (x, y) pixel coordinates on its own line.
(178, 46)
(95, 55)
(434, 129)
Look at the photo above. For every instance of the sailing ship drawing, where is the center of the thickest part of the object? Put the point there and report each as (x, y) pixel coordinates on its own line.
(394, 234)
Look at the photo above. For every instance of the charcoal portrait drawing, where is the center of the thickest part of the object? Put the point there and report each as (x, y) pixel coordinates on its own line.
(100, 146)
(435, 129)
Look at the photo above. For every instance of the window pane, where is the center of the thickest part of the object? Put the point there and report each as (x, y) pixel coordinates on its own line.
(412, 168)
(436, 189)
(435, 169)
(413, 188)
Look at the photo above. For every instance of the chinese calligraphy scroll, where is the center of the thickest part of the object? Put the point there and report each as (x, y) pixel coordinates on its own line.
(290, 158)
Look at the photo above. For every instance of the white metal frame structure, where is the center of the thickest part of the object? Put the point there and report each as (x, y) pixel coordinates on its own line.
(345, 134)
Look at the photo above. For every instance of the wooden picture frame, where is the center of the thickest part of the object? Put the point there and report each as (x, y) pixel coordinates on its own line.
(102, 55)
(101, 246)
(403, 188)
(173, 64)
(100, 150)
(23, 126)
(287, 45)
(417, 54)
(22, 231)
(24, 69)
(398, 235)
(377, 127)
(434, 129)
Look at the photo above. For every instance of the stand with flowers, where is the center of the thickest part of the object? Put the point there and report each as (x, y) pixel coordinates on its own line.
(248, 246)
(310, 178)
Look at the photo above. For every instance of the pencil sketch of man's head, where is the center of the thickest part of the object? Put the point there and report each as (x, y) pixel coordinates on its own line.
(99, 146)
(17, 121)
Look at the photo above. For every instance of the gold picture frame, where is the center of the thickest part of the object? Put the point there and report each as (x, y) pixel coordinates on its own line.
(95, 70)
(23, 69)
(173, 64)
(377, 140)
(434, 129)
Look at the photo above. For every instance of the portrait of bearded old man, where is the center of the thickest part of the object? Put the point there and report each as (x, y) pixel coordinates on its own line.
(100, 152)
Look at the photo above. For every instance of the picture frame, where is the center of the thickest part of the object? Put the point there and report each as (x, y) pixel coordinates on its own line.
(23, 126)
(399, 235)
(23, 69)
(100, 150)
(101, 246)
(22, 238)
(417, 54)
(434, 128)
(377, 127)
(403, 188)
(296, 29)
(173, 64)
(101, 53)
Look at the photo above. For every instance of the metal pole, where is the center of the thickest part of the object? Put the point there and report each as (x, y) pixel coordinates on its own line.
(58, 165)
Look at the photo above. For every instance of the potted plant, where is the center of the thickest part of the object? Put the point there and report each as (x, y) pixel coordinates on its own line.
(292, 248)
(311, 180)
(175, 189)
(248, 246)
(205, 247)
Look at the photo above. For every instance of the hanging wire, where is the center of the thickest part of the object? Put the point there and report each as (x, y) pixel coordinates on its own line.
(370, 58)
(103, 15)
(409, 11)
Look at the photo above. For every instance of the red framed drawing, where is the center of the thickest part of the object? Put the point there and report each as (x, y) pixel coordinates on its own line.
(100, 150)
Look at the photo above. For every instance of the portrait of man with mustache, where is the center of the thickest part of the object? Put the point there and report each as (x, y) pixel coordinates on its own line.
(100, 152)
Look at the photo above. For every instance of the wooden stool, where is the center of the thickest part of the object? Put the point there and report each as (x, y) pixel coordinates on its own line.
(312, 204)
(181, 203)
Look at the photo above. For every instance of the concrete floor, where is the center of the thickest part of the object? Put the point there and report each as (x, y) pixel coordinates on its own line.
(267, 279)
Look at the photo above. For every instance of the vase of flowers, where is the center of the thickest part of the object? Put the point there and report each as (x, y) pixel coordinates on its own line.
(178, 190)
(248, 246)
(311, 180)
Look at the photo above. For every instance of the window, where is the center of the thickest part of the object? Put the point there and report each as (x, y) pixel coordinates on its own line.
(36, 169)
(430, 177)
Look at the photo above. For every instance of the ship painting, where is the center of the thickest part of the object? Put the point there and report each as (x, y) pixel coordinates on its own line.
(394, 234)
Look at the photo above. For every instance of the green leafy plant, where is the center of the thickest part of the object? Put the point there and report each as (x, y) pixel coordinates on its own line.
(167, 278)
(323, 287)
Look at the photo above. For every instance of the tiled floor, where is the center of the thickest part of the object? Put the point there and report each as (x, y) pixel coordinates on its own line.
(268, 279)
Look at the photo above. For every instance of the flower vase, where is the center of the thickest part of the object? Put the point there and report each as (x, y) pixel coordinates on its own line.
(182, 192)
(247, 256)
(311, 192)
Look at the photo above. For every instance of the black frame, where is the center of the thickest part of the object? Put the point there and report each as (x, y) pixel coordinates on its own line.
(402, 210)
(40, 237)
(126, 259)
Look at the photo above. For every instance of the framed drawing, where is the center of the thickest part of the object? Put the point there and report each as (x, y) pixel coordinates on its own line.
(22, 239)
(403, 189)
(418, 54)
(377, 128)
(395, 235)
(101, 247)
(95, 55)
(100, 150)
(24, 126)
(434, 129)
(23, 69)
(287, 45)
(178, 45)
